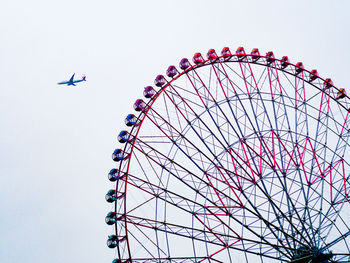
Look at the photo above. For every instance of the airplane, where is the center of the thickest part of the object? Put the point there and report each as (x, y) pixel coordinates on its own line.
(72, 81)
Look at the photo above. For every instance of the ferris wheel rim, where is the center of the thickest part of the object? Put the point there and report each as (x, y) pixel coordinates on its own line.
(142, 115)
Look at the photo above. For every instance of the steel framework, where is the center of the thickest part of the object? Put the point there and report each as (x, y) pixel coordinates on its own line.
(234, 158)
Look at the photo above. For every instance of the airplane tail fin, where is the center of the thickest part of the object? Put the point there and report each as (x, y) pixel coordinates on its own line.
(84, 78)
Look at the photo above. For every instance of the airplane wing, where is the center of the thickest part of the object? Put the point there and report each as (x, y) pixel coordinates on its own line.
(71, 79)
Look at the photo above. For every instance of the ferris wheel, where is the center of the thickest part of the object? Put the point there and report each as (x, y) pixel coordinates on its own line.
(233, 158)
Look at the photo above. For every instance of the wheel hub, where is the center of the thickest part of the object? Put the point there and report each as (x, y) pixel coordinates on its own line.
(312, 256)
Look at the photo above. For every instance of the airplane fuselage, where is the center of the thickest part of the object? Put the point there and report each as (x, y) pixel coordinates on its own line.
(72, 82)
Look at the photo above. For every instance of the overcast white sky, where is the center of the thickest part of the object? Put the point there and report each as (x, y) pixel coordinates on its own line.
(56, 141)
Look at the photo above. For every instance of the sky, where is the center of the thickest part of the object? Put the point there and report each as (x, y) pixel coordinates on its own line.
(56, 141)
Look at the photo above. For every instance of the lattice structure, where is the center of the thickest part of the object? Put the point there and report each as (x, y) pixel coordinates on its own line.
(234, 158)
